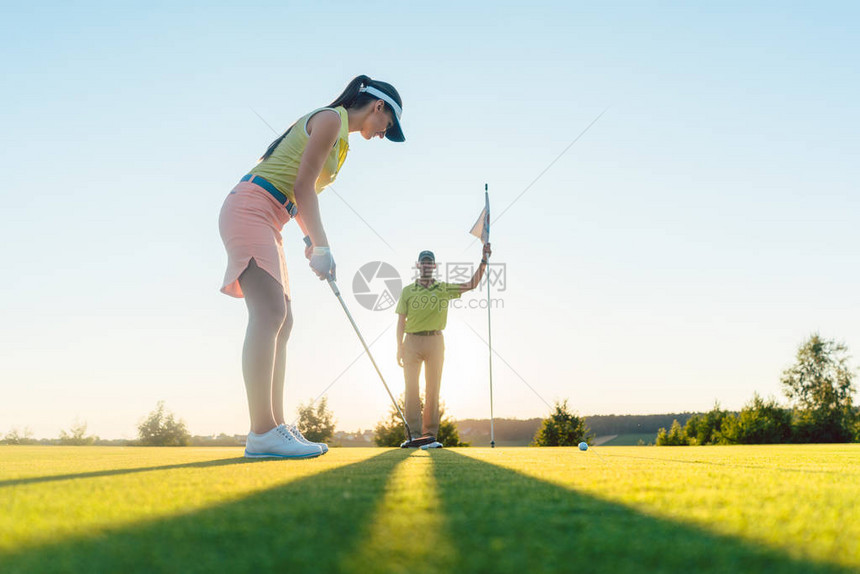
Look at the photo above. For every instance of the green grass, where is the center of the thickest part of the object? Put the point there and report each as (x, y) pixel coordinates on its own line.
(613, 510)
(631, 439)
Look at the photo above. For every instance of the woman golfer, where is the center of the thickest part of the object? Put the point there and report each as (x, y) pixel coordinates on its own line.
(283, 186)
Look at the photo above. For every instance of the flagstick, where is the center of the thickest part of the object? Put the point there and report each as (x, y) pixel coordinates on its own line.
(490, 345)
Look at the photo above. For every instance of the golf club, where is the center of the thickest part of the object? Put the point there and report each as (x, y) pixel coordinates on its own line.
(333, 284)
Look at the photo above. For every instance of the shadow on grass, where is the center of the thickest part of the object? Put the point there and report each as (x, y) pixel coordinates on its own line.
(308, 525)
(522, 524)
(119, 471)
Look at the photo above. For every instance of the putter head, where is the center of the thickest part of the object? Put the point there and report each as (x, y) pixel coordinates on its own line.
(408, 442)
(418, 442)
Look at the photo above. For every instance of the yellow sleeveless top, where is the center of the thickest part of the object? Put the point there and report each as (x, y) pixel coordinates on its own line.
(281, 168)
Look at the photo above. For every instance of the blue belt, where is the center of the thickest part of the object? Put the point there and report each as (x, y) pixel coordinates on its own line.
(265, 184)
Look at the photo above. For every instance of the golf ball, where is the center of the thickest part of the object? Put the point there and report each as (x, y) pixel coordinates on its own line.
(583, 446)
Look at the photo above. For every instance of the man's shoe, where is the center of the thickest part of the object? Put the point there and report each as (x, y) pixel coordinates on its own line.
(434, 444)
(278, 443)
(294, 430)
(418, 442)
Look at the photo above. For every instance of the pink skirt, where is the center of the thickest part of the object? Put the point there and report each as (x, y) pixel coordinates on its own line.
(250, 223)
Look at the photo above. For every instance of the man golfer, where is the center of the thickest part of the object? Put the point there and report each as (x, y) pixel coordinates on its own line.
(423, 310)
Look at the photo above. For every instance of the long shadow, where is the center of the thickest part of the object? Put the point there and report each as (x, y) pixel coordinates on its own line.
(307, 525)
(523, 524)
(119, 471)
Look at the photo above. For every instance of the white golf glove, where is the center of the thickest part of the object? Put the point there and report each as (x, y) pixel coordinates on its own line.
(323, 263)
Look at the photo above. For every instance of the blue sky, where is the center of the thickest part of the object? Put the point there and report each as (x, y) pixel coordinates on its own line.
(676, 255)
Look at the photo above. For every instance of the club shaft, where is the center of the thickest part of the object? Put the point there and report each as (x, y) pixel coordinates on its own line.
(336, 291)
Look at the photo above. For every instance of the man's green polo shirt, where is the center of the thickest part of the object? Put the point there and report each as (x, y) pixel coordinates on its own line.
(426, 308)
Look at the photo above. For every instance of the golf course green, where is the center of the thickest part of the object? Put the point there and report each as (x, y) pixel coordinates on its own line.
(609, 509)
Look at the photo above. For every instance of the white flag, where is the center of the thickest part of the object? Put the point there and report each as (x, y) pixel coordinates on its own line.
(481, 229)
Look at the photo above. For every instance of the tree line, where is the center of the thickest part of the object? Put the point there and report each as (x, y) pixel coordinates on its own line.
(820, 388)
(521, 432)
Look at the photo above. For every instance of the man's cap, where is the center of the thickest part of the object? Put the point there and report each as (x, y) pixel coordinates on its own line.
(427, 255)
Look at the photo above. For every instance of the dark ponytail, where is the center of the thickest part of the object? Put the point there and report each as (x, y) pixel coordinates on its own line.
(271, 149)
(351, 97)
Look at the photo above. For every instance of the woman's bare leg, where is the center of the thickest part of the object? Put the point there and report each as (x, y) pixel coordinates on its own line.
(267, 312)
(281, 365)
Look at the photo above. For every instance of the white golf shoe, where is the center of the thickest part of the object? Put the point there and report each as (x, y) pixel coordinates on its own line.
(278, 443)
(434, 444)
(294, 430)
